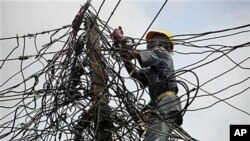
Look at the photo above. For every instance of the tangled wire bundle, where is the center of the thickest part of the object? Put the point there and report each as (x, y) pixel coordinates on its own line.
(80, 93)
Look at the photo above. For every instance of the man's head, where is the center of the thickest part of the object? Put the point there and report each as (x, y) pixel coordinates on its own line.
(160, 38)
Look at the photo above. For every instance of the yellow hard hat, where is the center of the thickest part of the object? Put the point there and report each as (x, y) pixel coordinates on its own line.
(167, 34)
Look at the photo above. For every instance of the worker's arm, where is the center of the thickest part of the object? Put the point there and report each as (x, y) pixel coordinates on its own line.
(126, 54)
(127, 57)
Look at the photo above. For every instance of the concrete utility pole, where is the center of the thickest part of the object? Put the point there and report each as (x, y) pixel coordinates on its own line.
(100, 106)
(99, 110)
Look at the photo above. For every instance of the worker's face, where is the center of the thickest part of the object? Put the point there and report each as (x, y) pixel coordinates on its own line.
(152, 43)
(157, 41)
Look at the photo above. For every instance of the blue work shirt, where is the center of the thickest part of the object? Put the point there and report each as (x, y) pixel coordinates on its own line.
(157, 71)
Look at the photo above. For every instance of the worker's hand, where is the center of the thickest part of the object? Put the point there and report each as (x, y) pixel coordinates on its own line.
(118, 34)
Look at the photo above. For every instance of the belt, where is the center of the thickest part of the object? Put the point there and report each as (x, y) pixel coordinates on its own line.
(167, 93)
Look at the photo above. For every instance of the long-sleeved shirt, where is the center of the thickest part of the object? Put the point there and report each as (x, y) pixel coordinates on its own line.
(157, 71)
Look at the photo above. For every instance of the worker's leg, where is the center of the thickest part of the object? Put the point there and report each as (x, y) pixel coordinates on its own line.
(157, 131)
(167, 108)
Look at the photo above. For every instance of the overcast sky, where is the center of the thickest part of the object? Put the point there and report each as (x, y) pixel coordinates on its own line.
(179, 17)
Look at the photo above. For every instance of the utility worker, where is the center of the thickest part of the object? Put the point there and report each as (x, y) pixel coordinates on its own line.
(158, 75)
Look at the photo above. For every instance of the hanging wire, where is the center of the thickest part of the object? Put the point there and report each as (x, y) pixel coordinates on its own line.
(56, 101)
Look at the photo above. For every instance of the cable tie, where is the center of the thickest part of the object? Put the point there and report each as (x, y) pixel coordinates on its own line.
(23, 57)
